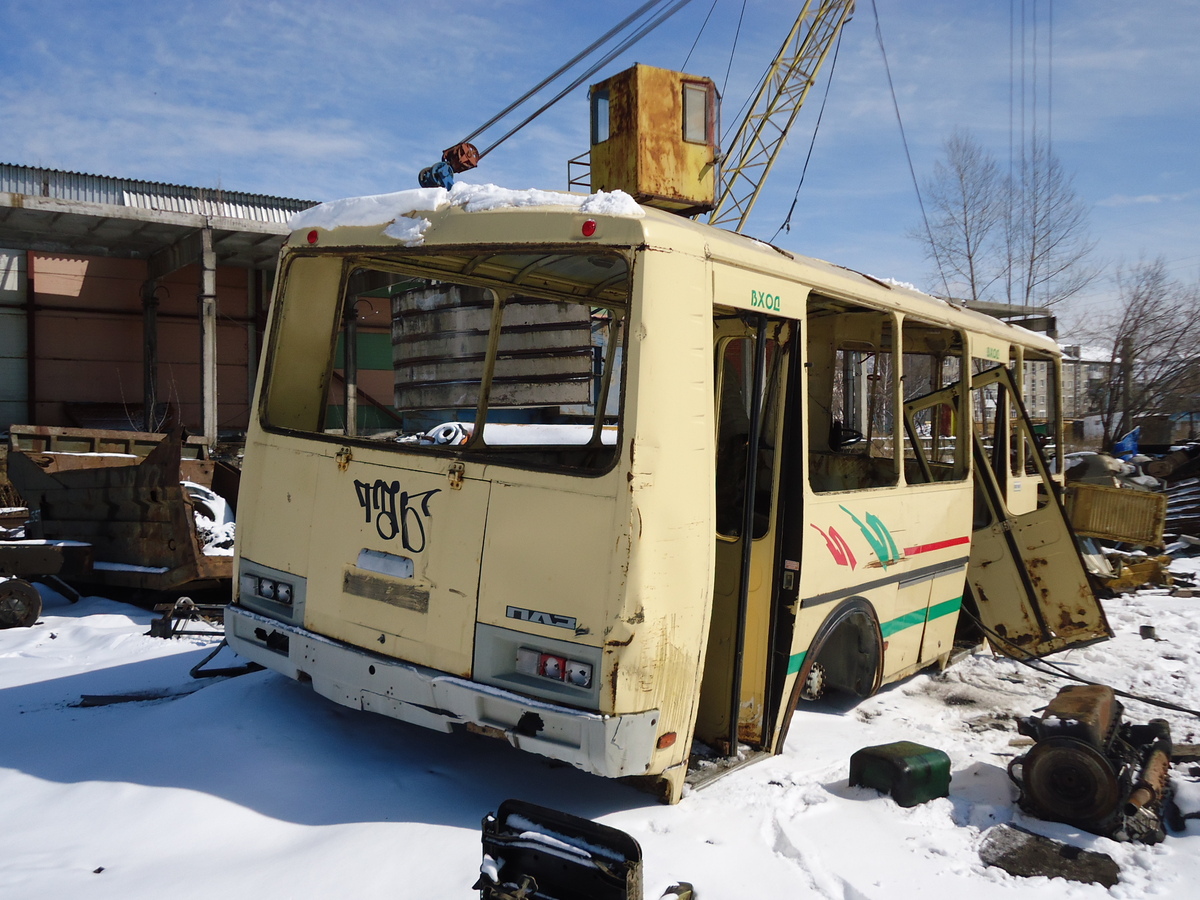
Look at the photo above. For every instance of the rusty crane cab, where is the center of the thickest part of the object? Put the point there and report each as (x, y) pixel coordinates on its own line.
(654, 136)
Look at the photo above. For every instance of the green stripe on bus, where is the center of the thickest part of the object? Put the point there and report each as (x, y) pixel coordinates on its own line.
(908, 620)
(945, 609)
(920, 616)
(916, 617)
(796, 661)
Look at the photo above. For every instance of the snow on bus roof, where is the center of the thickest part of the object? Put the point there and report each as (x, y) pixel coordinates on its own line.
(399, 210)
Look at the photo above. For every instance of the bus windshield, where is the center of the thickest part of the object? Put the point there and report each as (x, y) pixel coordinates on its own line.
(512, 355)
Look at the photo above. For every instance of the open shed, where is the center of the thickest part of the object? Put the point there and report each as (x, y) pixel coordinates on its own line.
(132, 304)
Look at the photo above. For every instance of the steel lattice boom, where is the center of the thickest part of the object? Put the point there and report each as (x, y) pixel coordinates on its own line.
(780, 96)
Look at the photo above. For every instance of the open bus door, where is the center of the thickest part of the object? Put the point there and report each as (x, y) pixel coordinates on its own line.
(1026, 576)
(753, 368)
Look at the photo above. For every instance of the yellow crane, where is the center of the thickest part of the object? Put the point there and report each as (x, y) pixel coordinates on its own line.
(783, 90)
(654, 160)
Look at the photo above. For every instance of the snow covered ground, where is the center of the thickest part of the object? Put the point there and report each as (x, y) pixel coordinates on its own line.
(257, 787)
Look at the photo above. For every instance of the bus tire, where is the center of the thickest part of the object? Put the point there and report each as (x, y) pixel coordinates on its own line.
(848, 649)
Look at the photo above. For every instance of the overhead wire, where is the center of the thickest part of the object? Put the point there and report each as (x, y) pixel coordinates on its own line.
(907, 154)
(733, 50)
(699, 34)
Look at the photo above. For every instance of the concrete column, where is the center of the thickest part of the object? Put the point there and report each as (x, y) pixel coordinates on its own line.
(208, 335)
(149, 356)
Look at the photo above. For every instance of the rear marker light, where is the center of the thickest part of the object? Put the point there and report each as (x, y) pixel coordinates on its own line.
(267, 589)
(527, 661)
(589, 227)
(579, 674)
(666, 740)
(553, 667)
(312, 237)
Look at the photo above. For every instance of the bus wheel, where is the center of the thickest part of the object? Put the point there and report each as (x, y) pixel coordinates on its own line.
(845, 656)
(20, 604)
(814, 684)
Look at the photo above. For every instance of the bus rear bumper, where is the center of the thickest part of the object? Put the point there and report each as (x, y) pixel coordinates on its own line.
(612, 746)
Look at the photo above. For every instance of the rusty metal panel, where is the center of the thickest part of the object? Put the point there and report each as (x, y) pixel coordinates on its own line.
(1117, 514)
(1026, 575)
(28, 558)
(647, 152)
(121, 493)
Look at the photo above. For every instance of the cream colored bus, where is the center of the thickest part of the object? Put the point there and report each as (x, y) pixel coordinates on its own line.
(623, 489)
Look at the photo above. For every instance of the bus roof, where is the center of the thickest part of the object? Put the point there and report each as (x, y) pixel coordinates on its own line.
(487, 215)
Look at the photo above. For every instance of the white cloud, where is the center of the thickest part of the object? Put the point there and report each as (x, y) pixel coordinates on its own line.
(1148, 199)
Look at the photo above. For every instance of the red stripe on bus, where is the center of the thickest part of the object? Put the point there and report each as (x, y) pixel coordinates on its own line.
(939, 545)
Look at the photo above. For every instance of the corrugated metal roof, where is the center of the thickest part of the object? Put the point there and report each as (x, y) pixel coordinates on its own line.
(38, 182)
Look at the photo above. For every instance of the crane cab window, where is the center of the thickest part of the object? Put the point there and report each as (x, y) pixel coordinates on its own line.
(601, 129)
(699, 105)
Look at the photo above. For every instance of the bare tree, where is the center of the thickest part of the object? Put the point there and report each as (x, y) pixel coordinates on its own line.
(1153, 345)
(967, 197)
(1046, 232)
(1020, 238)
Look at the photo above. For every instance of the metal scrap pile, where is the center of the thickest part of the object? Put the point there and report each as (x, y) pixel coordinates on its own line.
(1181, 472)
(1134, 516)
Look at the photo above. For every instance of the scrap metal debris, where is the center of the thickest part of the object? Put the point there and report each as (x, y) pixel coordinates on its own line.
(1027, 855)
(205, 617)
(121, 493)
(1090, 769)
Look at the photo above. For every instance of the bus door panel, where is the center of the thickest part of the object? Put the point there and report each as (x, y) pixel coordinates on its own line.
(1025, 573)
(395, 561)
(736, 337)
(936, 438)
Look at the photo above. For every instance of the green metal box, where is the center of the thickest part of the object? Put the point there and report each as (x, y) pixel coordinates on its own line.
(910, 772)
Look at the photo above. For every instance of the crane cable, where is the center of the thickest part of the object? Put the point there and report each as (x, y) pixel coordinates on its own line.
(732, 50)
(1048, 668)
(616, 29)
(699, 34)
(787, 222)
(591, 70)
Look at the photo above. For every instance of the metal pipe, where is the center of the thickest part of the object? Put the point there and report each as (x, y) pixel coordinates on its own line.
(350, 364)
(100, 311)
(747, 536)
(1152, 779)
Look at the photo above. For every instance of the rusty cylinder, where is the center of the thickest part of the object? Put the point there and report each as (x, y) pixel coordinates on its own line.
(1152, 779)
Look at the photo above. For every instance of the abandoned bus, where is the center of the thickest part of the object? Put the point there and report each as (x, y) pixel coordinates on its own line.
(621, 489)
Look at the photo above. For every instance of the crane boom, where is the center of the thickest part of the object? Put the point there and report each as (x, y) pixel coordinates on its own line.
(783, 90)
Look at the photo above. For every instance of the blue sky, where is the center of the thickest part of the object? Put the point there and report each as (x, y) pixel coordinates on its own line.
(323, 100)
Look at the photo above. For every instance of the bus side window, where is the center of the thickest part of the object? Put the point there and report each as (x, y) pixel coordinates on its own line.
(852, 418)
(933, 368)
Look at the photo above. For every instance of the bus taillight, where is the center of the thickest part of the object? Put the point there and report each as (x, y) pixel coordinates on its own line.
(553, 667)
